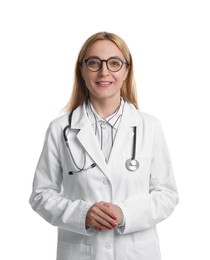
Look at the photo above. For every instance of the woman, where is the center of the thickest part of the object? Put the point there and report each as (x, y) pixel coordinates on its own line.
(105, 177)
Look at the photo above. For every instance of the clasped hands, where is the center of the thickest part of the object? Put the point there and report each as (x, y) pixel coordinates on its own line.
(104, 216)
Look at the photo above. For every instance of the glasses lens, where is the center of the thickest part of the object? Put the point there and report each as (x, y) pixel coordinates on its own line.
(114, 64)
(93, 64)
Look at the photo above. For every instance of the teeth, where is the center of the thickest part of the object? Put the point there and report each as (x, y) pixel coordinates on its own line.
(104, 83)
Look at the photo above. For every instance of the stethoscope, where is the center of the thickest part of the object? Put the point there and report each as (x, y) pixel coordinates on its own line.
(131, 164)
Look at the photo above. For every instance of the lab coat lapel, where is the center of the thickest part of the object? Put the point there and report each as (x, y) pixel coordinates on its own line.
(87, 138)
(129, 119)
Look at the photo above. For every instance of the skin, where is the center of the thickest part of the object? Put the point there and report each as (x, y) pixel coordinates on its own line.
(104, 90)
(103, 216)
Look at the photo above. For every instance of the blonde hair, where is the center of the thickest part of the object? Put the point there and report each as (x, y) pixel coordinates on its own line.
(80, 91)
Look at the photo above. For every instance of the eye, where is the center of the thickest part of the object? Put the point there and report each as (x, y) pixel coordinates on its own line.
(115, 63)
(93, 63)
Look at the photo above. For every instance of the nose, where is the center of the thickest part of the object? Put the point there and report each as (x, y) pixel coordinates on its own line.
(103, 70)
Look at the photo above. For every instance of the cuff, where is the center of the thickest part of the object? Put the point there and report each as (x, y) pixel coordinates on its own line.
(120, 228)
(82, 220)
(123, 218)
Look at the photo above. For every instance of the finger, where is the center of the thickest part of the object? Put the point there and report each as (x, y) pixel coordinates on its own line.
(101, 216)
(116, 210)
(104, 218)
(96, 218)
(103, 225)
(104, 212)
(103, 221)
(108, 210)
(97, 228)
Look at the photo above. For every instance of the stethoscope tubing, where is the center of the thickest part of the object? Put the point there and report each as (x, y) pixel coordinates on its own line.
(131, 164)
(134, 144)
(79, 169)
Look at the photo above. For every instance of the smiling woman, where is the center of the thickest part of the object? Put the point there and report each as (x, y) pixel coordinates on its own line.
(120, 49)
(105, 205)
(104, 84)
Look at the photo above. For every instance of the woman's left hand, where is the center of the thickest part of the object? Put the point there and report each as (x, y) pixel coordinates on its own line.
(116, 211)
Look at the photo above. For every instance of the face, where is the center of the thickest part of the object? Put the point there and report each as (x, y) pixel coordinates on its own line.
(104, 84)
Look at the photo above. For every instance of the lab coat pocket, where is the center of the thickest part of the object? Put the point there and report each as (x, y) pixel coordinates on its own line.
(68, 251)
(145, 250)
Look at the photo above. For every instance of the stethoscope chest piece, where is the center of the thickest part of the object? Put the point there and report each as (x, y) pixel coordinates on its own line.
(132, 164)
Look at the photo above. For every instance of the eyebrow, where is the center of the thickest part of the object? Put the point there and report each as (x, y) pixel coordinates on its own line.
(112, 57)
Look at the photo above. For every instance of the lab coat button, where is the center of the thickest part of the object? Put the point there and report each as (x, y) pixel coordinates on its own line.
(108, 246)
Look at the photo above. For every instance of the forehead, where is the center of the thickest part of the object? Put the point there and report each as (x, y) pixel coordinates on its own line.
(104, 49)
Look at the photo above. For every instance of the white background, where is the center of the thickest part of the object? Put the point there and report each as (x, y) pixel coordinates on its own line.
(170, 44)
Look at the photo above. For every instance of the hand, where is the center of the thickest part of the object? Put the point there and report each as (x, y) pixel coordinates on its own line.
(102, 216)
(117, 212)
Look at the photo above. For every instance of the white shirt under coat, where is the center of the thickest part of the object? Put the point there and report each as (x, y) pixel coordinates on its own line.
(105, 129)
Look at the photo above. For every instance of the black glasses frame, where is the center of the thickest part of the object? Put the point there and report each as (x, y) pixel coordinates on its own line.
(106, 61)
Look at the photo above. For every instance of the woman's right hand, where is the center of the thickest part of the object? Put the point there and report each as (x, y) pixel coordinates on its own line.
(101, 217)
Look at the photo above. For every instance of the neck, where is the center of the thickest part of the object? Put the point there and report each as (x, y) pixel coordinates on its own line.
(105, 107)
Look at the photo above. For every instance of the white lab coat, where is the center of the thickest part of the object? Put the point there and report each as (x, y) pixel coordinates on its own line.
(146, 196)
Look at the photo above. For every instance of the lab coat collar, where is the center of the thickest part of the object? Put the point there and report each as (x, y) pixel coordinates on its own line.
(113, 120)
(87, 138)
(130, 118)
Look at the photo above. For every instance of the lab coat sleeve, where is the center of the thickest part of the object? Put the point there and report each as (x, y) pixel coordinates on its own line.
(47, 199)
(146, 210)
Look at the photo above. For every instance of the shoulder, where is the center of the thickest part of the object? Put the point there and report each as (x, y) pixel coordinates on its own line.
(150, 123)
(151, 119)
(144, 117)
(60, 121)
(57, 125)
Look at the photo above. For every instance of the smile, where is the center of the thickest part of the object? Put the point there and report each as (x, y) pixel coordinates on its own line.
(104, 83)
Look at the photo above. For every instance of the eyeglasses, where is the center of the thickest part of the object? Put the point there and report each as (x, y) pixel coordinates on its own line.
(112, 64)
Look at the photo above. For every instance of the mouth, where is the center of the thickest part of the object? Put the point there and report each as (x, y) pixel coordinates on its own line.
(104, 83)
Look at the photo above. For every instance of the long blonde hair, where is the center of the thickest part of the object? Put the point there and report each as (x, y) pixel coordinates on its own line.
(80, 91)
